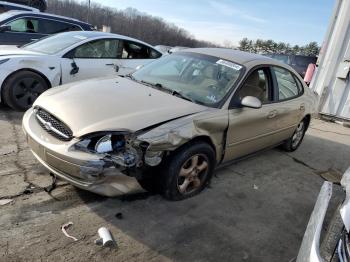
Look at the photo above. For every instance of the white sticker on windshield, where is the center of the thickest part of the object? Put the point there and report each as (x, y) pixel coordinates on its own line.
(229, 64)
(80, 37)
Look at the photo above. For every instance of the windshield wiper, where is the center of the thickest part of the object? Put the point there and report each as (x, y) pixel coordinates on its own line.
(181, 95)
(156, 85)
(171, 91)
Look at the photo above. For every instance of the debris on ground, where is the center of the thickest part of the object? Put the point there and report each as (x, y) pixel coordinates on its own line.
(331, 175)
(255, 187)
(106, 239)
(119, 215)
(66, 226)
(5, 201)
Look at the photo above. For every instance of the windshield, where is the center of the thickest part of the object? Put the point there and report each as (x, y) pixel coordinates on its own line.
(54, 44)
(200, 78)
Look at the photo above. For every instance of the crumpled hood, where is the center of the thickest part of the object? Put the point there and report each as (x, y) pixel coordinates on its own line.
(112, 104)
(15, 51)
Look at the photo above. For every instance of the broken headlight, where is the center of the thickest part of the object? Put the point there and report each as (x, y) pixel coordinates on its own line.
(109, 143)
(113, 146)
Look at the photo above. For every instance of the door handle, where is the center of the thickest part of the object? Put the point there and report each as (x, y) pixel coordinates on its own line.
(116, 67)
(272, 114)
(34, 39)
(302, 107)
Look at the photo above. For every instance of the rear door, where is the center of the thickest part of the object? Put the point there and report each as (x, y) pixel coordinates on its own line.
(290, 105)
(252, 129)
(97, 58)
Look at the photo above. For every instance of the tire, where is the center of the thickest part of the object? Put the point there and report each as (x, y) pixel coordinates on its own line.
(295, 140)
(150, 180)
(21, 89)
(188, 171)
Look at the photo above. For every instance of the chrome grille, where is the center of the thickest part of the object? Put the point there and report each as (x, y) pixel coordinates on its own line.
(52, 125)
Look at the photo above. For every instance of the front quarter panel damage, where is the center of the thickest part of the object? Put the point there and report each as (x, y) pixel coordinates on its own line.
(211, 124)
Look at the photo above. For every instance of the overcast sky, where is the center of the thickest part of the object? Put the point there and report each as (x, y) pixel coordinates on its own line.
(293, 21)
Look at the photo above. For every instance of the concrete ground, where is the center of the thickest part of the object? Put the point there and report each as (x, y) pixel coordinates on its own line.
(255, 210)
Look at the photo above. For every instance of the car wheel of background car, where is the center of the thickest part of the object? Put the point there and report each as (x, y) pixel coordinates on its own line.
(294, 142)
(21, 89)
(187, 171)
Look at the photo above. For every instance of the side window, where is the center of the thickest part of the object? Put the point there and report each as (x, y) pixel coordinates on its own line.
(53, 27)
(154, 54)
(27, 25)
(257, 85)
(99, 49)
(287, 85)
(132, 50)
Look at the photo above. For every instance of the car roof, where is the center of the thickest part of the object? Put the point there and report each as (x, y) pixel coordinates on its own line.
(98, 34)
(249, 60)
(25, 7)
(236, 56)
(40, 14)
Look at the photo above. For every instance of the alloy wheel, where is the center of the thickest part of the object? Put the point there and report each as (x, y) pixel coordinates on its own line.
(192, 174)
(298, 134)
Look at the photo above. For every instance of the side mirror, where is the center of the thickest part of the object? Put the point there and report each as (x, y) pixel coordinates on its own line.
(75, 68)
(5, 28)
(251, 101)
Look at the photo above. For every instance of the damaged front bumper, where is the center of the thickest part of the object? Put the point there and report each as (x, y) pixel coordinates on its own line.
(85, 170)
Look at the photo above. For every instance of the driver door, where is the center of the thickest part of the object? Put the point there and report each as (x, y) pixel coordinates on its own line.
(93, 59)
(251, 129)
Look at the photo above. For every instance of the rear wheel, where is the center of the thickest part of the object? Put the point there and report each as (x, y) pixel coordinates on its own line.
(21, 89)
(294, 142)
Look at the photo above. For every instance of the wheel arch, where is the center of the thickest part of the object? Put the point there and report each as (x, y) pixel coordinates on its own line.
(22, 70)
(197, 139)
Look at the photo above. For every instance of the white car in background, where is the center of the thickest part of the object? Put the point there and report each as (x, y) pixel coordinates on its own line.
(27, 71)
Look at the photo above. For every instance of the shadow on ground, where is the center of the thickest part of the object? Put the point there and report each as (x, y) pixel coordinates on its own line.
(254, 210)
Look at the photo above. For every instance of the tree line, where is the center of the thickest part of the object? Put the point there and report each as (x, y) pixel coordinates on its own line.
(129, 22)
(156, 31)
(269, 46)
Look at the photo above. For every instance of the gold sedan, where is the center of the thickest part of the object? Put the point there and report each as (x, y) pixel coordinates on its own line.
(169, 124)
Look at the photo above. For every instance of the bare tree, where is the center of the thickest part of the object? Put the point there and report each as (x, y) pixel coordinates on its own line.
(129, 22)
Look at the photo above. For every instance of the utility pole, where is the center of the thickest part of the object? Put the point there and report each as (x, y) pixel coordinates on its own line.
(88, 14)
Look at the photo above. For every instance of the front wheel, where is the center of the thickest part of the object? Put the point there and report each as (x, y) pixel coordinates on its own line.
(22, 88)
(294, 142)
(188, 171)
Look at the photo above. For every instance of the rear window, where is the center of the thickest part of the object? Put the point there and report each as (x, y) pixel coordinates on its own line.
(288, 86)
(53, 27)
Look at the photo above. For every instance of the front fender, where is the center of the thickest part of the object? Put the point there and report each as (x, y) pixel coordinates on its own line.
(48, 68)
(212, 124)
